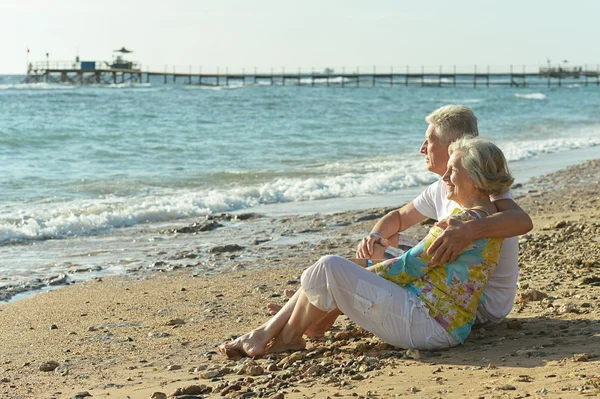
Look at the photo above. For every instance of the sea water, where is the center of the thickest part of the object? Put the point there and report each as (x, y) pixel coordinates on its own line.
(87, 165)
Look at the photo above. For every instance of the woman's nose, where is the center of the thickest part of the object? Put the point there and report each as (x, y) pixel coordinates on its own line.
(423, 147)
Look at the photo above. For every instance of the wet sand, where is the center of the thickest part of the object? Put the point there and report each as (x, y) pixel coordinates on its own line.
(135, 337)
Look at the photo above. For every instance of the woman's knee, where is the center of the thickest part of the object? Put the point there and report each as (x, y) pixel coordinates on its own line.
(324, 266)
(329, 260)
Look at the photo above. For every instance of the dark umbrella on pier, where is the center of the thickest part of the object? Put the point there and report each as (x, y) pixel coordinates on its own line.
(123, 50)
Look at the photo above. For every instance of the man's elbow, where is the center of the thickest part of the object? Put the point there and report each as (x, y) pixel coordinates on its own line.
(526, 224)
(529, 224)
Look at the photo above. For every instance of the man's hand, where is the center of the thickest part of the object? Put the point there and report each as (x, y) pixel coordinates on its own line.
(449, 244)
(366, 246)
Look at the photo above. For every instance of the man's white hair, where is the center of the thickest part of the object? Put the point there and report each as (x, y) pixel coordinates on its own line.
(452, 122)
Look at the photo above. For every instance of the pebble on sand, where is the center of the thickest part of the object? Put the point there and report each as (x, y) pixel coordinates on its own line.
(49, 366)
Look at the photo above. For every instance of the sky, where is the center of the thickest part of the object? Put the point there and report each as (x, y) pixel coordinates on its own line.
(244, 34)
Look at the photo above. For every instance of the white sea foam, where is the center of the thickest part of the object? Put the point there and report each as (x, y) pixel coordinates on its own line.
(97, 216)
(124, 85)
(531, 96)
(460, 100)
(202, 87)
(527, 149)
(342, 179)
(36, 86)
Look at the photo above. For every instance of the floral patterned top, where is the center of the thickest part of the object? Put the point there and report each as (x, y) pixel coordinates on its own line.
(451, 291)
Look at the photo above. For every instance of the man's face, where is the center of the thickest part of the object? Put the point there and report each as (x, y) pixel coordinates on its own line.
(436, 153)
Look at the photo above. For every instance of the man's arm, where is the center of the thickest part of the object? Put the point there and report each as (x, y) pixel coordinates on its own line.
(392, 223)
(510, 221)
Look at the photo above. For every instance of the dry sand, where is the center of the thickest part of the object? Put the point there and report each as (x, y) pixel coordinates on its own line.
(131, 338)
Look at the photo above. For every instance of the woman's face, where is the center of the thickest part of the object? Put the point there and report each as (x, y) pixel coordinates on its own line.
(459, 186)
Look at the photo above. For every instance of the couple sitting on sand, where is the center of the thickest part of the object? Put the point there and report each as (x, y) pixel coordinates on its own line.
(430, 296)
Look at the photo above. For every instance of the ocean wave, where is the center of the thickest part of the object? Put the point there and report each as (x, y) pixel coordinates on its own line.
(89, 217)
(202, 87)
(531, 96)
(125, 85)
(527, 149)
(460, 100)
(36, 86)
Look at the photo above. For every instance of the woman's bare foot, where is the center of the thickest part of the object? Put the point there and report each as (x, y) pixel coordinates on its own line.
(316, 331)
(274, 308)
(251, 345)
(277, 345)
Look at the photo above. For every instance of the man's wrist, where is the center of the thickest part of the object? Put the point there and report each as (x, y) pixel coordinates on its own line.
(381, 241)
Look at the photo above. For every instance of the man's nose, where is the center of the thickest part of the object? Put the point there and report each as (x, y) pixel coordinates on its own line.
(423, 147)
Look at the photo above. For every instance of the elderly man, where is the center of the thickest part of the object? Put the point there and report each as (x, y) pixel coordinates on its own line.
(446, 125)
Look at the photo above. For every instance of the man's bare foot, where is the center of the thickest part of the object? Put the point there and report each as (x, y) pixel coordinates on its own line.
(251, 345)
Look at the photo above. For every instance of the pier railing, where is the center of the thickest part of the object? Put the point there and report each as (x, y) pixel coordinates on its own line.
(396, 69)
(101, 72)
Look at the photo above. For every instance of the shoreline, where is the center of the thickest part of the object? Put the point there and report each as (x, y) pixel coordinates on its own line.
(76, 259)
(132, 336)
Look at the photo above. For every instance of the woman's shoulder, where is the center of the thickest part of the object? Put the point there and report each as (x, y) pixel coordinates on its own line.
(472, 213)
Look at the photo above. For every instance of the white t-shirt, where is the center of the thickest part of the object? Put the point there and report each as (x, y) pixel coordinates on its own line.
(500, 291)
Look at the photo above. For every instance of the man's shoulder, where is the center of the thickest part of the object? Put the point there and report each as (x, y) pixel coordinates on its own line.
(435, 189)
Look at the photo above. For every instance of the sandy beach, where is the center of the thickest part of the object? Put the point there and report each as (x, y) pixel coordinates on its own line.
(134, 337)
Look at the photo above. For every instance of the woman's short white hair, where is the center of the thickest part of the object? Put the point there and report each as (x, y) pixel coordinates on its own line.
(453, 122)
(485, 163)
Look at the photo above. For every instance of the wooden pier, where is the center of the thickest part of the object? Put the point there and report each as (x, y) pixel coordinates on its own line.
(79, 76)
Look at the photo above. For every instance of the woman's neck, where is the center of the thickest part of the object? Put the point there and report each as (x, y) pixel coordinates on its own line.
(480, 201)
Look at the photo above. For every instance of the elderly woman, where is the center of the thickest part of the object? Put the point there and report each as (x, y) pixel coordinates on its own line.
(408, 301)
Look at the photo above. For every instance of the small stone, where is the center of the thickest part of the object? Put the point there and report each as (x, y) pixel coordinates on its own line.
(272, 367)
(254, 370)
(581, 357)
(230, 388)
(412, 354)
(84, 394)
(54, 327)
(174, 367)
(532, 295)
(507, 387)
(48, 366)
(514, 325)
(225, 248)
(278, 395)
(61, 279)
(62, 371)
(158, 334)
(158, 395)
(313, 370)
(208, 374)
(175, 322)
(568, 308)
(192, 390)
